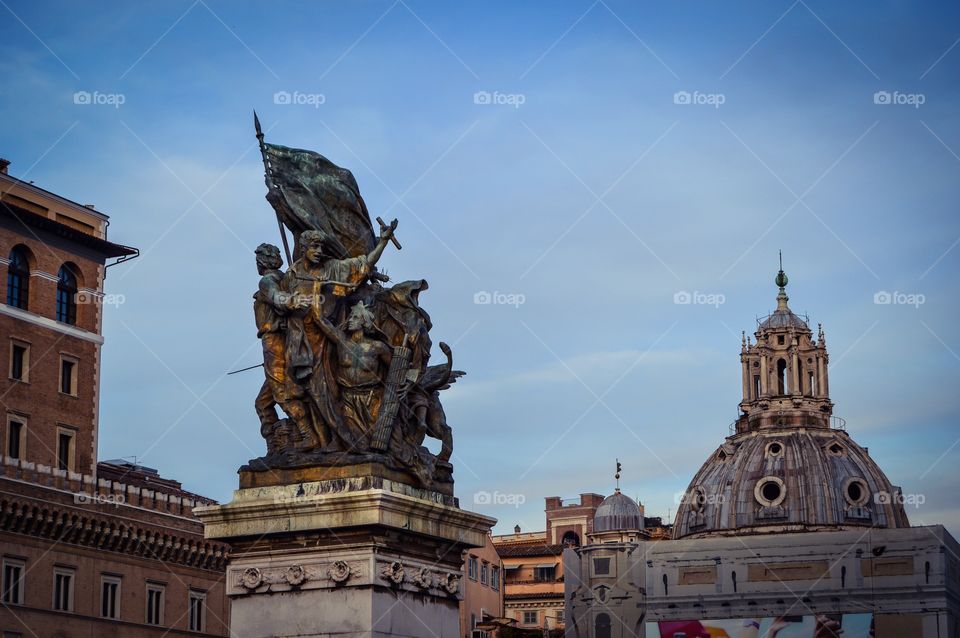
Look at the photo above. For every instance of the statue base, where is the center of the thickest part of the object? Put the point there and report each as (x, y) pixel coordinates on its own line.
(299, 467)
(348, 557)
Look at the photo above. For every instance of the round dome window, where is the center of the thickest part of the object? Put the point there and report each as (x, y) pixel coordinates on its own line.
(770, 491)
(699, 500)
(856, 492)
(774, 449)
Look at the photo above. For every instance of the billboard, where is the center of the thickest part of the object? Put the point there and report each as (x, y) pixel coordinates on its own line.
(819, 626)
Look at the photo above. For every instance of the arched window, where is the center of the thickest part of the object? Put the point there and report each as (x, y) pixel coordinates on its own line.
(66, 295)
(570, 539)
(602, 626)
(781, 377)
(18, 279)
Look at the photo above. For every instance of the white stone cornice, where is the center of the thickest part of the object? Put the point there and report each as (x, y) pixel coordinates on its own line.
(45, 322)
(44, 275)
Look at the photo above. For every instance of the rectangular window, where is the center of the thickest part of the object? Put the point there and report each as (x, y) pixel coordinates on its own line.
(63, 589)
(68, 375)
(19, 361)
(484, 571)
(495, 578)
(110, 597)
(13, 585)
(543, 574)
(154, 604)
(530, 618)
(559, 616)
(472, 568)
(15, 436)
(65, 449)
(601, 566)
(197, 610)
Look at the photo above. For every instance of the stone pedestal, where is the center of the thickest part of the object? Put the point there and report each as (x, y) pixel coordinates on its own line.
(349, 557)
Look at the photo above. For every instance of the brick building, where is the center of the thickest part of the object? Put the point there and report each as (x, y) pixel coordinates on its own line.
(87, 548)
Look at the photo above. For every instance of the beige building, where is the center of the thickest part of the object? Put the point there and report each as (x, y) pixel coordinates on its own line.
(482, 603)
(86, 548)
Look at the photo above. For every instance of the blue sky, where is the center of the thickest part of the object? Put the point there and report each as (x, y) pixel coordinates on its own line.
(628, 152)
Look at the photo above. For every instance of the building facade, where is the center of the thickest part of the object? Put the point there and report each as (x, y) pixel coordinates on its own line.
(87, 548)
(533, 569)
(482, 604)
(789, 528)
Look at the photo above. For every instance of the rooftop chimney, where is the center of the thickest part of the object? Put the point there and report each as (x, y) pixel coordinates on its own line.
(4, 163)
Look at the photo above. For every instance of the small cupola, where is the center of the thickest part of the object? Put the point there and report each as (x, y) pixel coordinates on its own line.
(618, 518)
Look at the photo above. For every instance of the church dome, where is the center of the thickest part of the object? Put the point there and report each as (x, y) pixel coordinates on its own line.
(617, 513)
(789, 464)
(788, 479)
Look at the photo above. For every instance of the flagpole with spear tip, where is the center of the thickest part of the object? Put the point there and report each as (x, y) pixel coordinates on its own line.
(270, 185)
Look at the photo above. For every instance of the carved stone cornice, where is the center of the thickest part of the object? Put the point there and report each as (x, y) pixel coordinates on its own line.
(122, 534)
(307, 572)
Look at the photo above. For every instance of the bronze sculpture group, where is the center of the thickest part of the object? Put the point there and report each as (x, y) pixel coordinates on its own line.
(345, 354)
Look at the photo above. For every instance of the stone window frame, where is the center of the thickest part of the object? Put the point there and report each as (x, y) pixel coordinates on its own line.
(472, 567)
(67, 599)
(763, 500)
(864, 491)
(161, 590)
(74, 374)
(114, 609)
(698, 499)
(71, 431)
(24, 421)
(594, 563)
(200, 596)
(768, 449)
(25, 364)
(20, 593)
(832, 444)
(524, 617)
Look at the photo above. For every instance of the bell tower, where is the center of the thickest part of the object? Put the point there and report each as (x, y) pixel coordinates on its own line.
(785, 378)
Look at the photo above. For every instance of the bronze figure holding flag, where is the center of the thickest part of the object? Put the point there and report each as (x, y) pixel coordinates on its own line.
(346, 356)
